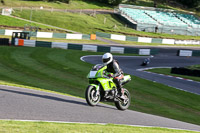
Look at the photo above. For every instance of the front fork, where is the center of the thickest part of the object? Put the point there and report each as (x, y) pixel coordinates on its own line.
(97, 92)
(97, 89)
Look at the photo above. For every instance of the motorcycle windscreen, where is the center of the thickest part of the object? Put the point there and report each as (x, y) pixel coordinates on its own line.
(92, 74)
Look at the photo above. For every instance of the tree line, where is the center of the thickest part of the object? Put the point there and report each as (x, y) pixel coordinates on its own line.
(186, 3)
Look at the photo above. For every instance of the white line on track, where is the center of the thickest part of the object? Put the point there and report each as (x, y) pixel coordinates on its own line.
(119, 56)
(143, 69)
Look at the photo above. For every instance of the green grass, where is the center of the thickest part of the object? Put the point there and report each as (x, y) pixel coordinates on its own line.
(50, 127)
(197, 67)
(83, 23)
(58, 70)
(74, 4)
(10, 21)
(167, 71)
(88, 24)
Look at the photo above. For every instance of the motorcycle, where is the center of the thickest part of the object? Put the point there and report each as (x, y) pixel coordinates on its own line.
(145, 62)
(102, 88)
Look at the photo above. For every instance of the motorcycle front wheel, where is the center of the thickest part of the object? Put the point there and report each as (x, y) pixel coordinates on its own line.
(91, 95)
(123, 104)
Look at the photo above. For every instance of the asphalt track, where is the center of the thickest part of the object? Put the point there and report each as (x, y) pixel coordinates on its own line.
(132, 65)
(26, 104)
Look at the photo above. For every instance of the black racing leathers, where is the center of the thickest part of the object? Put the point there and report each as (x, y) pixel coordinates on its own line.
(114, 68)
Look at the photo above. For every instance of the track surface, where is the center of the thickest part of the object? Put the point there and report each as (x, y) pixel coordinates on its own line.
(132, 64)
(25, 104)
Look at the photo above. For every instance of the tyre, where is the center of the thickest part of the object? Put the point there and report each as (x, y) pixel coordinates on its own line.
(123, 104)
(91, 95)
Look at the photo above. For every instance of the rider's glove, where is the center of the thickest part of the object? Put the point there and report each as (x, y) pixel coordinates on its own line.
(110, 75)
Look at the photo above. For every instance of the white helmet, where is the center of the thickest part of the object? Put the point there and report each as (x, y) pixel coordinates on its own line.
(107, 58)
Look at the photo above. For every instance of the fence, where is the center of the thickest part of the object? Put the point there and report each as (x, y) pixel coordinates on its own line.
(4, 41)
(147, 39)
(49, 34)
(85, 47)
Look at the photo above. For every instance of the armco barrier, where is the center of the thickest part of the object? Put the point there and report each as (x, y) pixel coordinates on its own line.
(59, 45)
(144, 51)
(43, 44)
(185, 53)
(44, 34)
(130, 50)
(2, 32)
(117, 50)
(89, 48)
(105, 35)
(156, 40)
(154, 51)
(147, 39)
(48, 34)
(84, 47)
(131, 38)
(59, 35)
(185, 71)
(30, 43)
(4, 41)
(196, 53)
(103, 49)
(74, 46)
(9, 32)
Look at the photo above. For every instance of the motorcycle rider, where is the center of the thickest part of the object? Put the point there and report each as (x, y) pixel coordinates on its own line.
(113, 67)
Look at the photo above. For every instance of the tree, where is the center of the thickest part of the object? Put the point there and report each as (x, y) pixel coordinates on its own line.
(110, 2)
(2, 2)
(190, 3)
(114, 2)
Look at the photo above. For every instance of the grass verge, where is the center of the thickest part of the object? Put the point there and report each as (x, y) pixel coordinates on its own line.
(50, 127)
(167, 71)
(58, 70)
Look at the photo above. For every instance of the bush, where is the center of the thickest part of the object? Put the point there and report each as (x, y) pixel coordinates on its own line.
(110, 2)
(64, 1)
(185, 71)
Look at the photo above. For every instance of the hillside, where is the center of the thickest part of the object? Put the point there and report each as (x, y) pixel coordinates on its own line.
(88, 23)
(79, 21)
(58, 70)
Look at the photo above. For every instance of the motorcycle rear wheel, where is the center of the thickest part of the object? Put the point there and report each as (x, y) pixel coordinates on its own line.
(122, 104)
(91, 97)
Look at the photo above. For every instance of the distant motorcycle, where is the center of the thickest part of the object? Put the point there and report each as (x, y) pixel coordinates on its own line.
(145, 62)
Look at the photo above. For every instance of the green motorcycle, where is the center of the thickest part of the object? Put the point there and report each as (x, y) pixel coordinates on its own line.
(102, 88)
